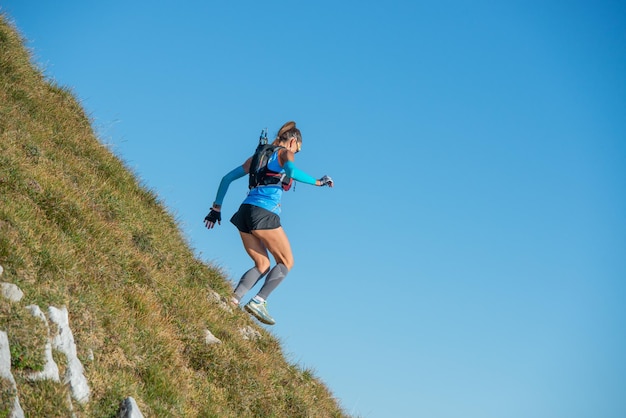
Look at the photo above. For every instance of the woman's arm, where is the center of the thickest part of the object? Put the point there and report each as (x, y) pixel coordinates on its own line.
(295, 173)
(286, 159)
(233, 175)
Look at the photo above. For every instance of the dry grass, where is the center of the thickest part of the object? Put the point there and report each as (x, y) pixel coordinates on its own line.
(77, 229)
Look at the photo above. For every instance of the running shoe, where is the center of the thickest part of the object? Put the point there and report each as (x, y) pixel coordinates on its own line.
(259, 311)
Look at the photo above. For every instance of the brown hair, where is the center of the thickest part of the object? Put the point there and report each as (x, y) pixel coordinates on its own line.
(286, 132)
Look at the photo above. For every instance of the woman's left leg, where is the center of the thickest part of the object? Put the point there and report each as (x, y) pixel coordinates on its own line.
(277, 243)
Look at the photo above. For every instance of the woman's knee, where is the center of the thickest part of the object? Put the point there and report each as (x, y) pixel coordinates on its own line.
(287, 261)
(262, 264)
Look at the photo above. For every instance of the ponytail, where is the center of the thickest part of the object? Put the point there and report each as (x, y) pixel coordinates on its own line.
(287, 131)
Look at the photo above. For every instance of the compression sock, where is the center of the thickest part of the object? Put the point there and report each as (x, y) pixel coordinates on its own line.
(248, 280)
(275, 276)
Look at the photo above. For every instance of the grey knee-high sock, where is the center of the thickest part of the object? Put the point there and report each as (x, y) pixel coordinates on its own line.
(276, 275)
(248, 280)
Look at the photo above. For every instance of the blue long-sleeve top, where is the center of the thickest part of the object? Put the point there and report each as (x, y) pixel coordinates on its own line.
(267, 197)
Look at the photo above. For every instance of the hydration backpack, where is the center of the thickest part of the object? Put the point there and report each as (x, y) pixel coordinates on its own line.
(260, 174)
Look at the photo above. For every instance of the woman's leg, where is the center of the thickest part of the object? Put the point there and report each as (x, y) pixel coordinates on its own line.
(258, 253)
(275, 240)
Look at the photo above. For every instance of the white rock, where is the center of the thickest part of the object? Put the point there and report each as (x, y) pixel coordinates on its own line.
(50, 369)
(220, 301)
(1, 270)
(64, 342)
(5, 358)
(17, 412)
(12, 292)
(249, 333)
(129, 409)
(5, 373)
(209, 338)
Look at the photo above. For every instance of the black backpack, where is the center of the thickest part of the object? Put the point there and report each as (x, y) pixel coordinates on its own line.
(260, 174)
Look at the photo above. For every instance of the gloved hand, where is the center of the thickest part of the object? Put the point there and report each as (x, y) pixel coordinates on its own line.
(212, 217)
(326, 181)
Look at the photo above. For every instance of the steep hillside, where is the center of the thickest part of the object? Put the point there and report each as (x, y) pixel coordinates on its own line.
(78, 230)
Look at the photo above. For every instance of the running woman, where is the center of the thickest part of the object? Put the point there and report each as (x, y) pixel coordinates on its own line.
(258, 218)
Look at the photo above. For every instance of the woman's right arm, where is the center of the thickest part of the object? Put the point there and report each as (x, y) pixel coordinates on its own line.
(215, 215)
(233, 175)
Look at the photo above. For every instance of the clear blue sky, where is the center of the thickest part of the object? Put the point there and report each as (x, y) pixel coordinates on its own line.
(471, 260)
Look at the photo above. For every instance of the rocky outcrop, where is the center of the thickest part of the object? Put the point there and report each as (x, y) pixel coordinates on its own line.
(64, 342)
(11, 292)
(50, 370)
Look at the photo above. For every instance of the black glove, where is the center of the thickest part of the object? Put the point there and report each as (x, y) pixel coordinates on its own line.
(212, 217)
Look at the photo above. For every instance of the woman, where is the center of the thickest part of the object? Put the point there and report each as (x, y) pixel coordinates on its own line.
(257, 218)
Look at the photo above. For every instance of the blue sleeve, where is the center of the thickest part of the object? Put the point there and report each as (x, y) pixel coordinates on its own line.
(235, 174)
(298, 175)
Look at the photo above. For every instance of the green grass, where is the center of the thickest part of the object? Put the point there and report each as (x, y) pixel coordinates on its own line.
(27, 337)
(77, 229)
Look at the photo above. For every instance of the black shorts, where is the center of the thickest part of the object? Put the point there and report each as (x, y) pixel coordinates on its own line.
(249, 218)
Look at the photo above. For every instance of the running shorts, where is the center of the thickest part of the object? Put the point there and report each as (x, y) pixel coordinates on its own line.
(249, 218)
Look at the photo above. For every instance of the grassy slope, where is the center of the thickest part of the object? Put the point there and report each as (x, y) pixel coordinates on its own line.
(77, 229)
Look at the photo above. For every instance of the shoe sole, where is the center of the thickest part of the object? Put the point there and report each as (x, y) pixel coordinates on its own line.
(257, 316)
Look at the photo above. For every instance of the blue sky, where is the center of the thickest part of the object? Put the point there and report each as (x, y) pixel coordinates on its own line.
(470, 261)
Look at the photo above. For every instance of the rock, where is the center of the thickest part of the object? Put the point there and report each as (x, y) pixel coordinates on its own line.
(129, 409)
(64, 342)
(34, 186)
(249, 333)
(12, 292)
(209, 338)
(1, 270)
(220, 301)
(5, 373)
(50, 369)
